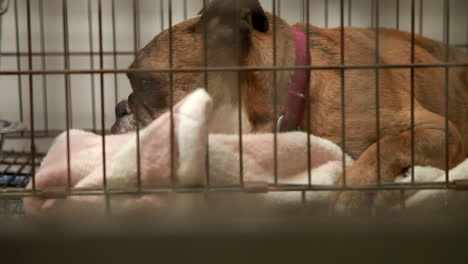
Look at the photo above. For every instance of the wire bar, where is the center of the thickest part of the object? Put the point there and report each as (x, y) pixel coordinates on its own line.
(377, 90)
(246, 68)
(68, 113)
(15, 193)
(18, 63)
(1, 26)
(91, 64)
(275, 95)
(447, 79)
(171, 96)
(114, 47)
(105, 53)
(103, 123)
(31, 96)
(66, 50)
(309, 103)
(343, 91)
(136, 44)
(413, 7)
(240, 98)
(45, 103)
(206, 83)
(72, 53)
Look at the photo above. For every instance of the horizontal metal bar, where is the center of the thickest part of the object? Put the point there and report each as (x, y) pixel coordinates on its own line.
(46, 133)
(24, 154)
(75, 53)
(230, 69)
(18, 163)
(105, 53)
(16, 193)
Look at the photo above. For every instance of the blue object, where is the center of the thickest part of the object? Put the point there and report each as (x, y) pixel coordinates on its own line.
(10, 179)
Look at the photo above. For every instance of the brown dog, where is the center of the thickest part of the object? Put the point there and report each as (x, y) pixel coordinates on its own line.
(241, 34)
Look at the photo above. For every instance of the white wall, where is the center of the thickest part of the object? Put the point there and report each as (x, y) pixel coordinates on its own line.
(150, 24)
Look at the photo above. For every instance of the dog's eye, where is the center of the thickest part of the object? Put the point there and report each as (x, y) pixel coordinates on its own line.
(148, 83)
(145, 83)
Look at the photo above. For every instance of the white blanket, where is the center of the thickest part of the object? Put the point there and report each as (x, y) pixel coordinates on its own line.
(192, 117)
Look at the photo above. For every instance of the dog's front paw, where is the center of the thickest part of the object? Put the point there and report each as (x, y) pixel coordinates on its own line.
(352, 201)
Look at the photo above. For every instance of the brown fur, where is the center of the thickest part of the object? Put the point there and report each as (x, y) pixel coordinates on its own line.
(325, 91)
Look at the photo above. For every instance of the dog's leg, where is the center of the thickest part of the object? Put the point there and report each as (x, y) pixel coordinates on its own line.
(396, 157)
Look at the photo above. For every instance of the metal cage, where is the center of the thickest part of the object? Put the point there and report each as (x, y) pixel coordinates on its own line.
(58, 57)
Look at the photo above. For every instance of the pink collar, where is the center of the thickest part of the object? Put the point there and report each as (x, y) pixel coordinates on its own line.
(293, 111)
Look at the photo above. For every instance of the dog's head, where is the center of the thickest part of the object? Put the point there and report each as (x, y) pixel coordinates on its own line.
(223, 35)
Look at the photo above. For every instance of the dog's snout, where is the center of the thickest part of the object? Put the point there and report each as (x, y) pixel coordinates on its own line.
(122, 109)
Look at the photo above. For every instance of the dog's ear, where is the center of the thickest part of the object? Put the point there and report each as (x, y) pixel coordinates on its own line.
(228, 25)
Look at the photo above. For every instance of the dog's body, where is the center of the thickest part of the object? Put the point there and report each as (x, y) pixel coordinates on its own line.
(252, 45)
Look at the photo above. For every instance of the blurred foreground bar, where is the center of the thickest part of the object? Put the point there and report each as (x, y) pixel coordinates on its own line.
(263, 238)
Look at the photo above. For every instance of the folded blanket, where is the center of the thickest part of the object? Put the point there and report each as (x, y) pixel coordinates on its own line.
(190, 138)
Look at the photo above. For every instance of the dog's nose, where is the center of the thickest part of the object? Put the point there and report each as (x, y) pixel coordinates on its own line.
(121, 109)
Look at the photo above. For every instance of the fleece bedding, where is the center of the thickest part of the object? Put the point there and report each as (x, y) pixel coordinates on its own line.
(191, 121)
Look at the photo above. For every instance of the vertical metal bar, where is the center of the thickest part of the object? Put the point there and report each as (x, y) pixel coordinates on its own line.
(447, 71)
(421, 18)
(67, 87)
(239, 95)
(171, 94)
(91, 64)
(185, 9)
(69, 103)
(1, 28)
(326, 13)
(309, 112)
(205, 78)
(275, 99)
(350, 9)
(103, 114)
(412, 86)
(372, 17)
(18, 64)
(398, 14)
(114, 48)
(136, 45)
(377, 88)
(45, 102)
(31, 98)
(402, 193)
(343, 95)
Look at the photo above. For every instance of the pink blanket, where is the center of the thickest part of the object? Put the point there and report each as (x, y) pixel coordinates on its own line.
(191, 122)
